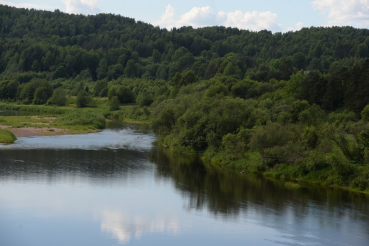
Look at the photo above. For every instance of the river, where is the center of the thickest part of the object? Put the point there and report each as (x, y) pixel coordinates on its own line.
(116, 188)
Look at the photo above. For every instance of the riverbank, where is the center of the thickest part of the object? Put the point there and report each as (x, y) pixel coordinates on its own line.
(36, 125)
(44, 121)
(33, 131)
(352, 177)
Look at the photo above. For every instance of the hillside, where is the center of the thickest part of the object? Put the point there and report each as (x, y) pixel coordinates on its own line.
(109, 46)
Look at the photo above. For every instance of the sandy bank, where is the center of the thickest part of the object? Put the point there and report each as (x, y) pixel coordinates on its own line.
(35, 131)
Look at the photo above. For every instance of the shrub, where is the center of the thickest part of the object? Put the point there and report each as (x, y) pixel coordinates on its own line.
(114, 103)
(82, 117)
(59, 97)
(7, 136)
(83, 99)
(362, 180)
(144, 99)
(365, 113)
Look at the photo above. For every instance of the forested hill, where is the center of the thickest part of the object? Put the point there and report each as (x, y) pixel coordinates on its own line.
(110, 46)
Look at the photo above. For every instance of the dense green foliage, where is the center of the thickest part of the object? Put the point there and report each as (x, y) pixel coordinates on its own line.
(7, 136)
(71, 48)
(292, 104)
(88, 118)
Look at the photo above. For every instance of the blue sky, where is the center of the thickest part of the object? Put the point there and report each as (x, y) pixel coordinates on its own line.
(274, 15)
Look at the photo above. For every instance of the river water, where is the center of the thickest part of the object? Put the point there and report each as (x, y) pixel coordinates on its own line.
(116, 188)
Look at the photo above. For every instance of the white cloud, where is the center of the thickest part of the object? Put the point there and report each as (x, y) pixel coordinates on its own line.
(254, 20)
(297, 27)
(197, 17)
(344, 12)
(71, 6)
(205, 16)
(28, 5)
(81, 6)
(167, 18)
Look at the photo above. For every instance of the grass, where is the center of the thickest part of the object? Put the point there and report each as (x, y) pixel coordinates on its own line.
(78, 121)
(83, 118)
(7, 136)
(25, 121)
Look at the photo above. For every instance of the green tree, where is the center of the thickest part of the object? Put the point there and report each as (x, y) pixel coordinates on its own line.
(102, 69)
(114, 103)
(188, 77)
(229, 70)
(83, 99)
(144, 99)
(124, 94)
(131, 69)
(59, 97)
(365, 113)
(41, 96)
(156, 56)
(115, 71)
(43, 88)
(101, 88)
(60, 72)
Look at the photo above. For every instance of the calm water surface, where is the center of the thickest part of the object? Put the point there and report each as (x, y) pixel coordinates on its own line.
(116, 188)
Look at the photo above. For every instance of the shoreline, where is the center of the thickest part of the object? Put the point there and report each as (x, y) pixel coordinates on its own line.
(34, 131)
(289, 179)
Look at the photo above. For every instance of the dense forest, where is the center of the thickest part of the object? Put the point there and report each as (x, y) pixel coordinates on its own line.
(293, 104)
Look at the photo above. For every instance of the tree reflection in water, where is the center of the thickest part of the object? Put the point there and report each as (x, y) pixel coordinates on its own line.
(230, 194)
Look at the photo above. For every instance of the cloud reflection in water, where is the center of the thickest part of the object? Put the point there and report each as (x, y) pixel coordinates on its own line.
(123, 228)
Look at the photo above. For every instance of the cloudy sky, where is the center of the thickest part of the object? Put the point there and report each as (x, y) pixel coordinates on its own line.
(275, 15)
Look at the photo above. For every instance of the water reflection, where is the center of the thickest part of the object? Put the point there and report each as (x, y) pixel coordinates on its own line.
(124, 227)
(322, 216)
(101, 166)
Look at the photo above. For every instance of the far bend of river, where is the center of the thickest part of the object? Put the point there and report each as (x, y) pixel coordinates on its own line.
(116, 188)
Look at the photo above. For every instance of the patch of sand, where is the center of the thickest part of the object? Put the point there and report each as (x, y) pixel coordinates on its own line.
(33, 131)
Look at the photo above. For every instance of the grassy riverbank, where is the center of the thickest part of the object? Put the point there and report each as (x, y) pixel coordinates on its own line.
(56, 120)
(326, 170)
(47, 120)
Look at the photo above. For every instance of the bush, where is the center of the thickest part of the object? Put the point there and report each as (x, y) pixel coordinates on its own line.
(59, 97)
(83, 99)
(89, 118)
(37, 91)
(365, 113)
(124, 94)
(362, 180)
(313, 162)
(7, 136)
(144, 99)
(114, 103)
